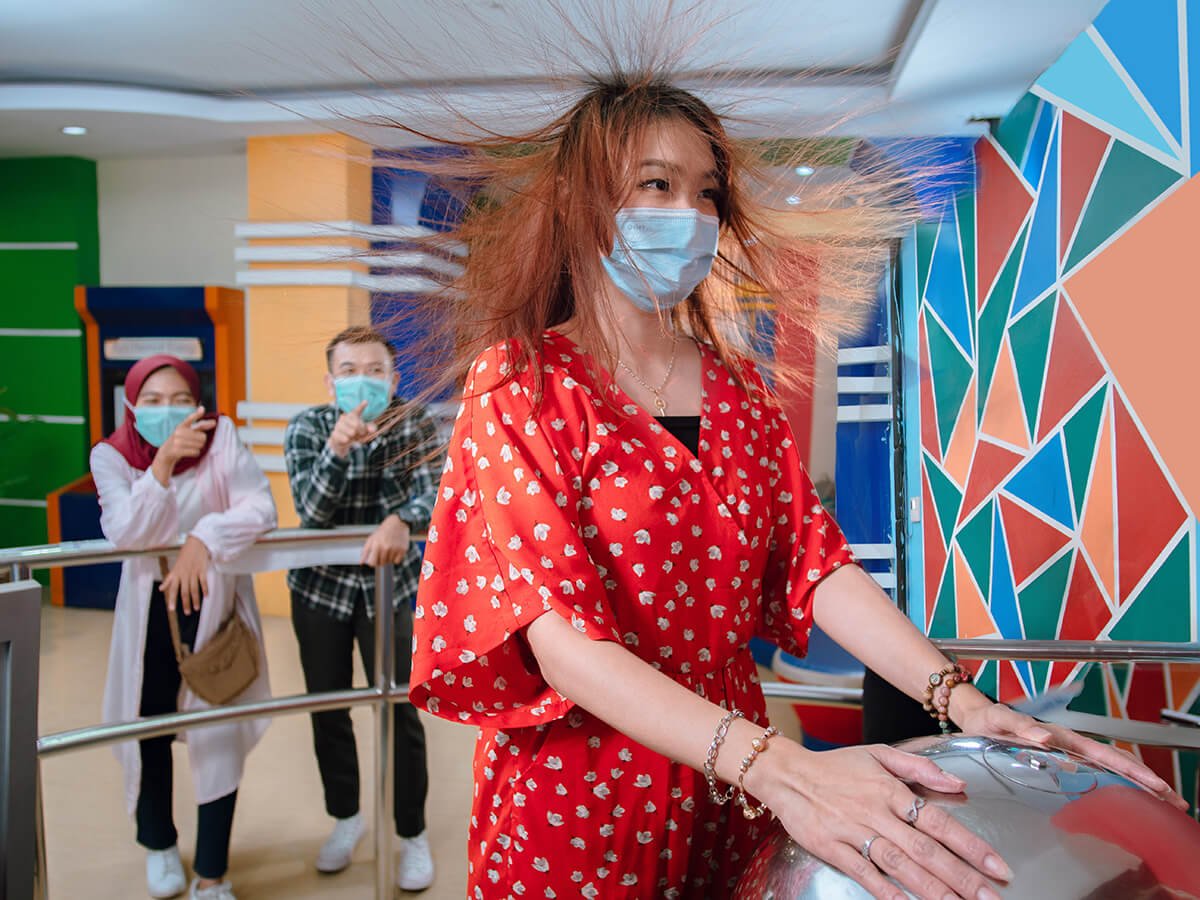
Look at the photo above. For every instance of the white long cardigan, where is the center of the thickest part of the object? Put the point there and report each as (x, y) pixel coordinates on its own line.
(226, 502)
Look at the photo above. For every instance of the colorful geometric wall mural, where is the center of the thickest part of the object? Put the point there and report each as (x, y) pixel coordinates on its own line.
(1054, 316)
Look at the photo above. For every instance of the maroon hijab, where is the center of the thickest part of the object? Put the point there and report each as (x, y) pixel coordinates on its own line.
(138, 451)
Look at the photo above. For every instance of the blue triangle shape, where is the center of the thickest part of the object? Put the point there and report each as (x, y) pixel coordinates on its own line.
(946, 290)
(1144, 36)
(1039, 269)
(1035, 152)
(1041, 481)
(1002, 598)
(1084, 78)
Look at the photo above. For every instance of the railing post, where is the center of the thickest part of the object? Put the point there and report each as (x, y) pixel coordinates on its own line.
(385, 673)
(41, 887)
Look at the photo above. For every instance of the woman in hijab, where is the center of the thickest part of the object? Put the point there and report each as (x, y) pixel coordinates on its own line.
(169, 471)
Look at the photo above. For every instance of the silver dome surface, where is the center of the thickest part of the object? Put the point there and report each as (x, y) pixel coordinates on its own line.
(1069, 830)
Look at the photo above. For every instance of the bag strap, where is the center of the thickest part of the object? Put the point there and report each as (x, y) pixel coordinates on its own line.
(181, 652)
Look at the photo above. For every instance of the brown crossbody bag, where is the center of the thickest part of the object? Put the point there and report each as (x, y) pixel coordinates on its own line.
(225, 666)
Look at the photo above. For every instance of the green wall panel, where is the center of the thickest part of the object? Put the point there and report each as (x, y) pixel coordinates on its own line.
(43, 200)
(42, 376)
(37, 288)
(39, 458)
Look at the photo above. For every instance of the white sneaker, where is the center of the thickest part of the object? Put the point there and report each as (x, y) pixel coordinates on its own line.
(221, 891)
(337, 850)
(415, 872)
(164, 873)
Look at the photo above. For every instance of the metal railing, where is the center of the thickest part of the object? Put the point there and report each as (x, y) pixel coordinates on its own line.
(342, 546)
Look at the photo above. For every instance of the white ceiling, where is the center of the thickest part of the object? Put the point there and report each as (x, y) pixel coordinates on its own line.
(180, 76)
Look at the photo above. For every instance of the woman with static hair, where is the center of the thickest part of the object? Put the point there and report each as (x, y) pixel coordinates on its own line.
(170, 470)
(623, 508)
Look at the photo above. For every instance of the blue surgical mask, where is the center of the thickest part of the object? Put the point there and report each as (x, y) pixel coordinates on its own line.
(660, 255)
(351, 390)
(157, 423)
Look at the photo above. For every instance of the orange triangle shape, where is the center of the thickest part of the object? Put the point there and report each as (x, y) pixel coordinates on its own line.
(973, 618)
(957, 461)
(1003, 415)
(1072, 372)
(1183, 682)
(1031, 540)
(1096, 532)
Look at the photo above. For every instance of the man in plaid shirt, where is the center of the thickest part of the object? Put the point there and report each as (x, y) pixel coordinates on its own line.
(345, 470)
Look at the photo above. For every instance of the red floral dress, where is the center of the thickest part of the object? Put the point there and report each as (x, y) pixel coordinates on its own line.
(596, 513)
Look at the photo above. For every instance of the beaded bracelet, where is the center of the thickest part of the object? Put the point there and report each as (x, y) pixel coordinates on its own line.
(710, 763)
(757, 746)
(937, 692)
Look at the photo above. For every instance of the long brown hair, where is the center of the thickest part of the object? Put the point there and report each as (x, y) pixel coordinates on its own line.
(541, 208)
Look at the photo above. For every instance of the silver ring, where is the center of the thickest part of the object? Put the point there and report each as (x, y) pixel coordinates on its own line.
(915, 810)
(865, 850)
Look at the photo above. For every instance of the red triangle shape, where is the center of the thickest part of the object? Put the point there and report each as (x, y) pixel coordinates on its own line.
(1147, 692)
(1149, 514)
(991, 465)
(1084, 146)
(1059, 673)
(1031, 541)
(929, 429)
(1072, 372)
(935, 548)
(1086, 613)
(1002, 205)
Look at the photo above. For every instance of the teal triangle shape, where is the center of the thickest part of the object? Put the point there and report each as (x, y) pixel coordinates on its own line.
(1144, 37)
(964, 214)
(1121, 673)
(1081, 437)
(946, 496)
(951, 374)
(1029, 338)
(944, 623)
(993, 319)
(975, 541)
(1042, 599)
(1093, 697)
(1161, 611)
(985, 679)
(1083, 78)
(1012, 133)
(1126, 185)
(926, 241)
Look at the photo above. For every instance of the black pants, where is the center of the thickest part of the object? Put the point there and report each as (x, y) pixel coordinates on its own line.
(327, 655)
(160, 691)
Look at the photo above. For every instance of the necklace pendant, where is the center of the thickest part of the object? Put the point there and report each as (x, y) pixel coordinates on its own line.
(661, 404)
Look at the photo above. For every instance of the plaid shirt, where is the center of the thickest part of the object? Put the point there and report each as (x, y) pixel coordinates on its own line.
(374, 481)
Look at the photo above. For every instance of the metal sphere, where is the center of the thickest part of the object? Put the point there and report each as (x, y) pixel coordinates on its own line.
(1069, 830)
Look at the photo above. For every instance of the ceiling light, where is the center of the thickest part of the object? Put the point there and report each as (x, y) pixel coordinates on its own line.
(792, 200)
(805, 171)
(74, 130)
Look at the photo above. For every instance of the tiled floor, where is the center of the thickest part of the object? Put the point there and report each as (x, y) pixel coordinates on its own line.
(280, 820)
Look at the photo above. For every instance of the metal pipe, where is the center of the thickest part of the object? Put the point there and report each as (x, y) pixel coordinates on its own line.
(170, 723)
(817, 693)
(1182, 718)
(86, 553)
(385, 677)
(1076, 651)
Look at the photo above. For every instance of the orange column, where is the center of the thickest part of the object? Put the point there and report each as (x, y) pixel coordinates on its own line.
(300, 178)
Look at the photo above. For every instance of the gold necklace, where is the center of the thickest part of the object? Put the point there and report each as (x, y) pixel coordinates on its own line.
(659, 403)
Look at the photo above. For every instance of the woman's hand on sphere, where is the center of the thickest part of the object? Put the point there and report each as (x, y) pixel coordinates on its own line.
(832, 802)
